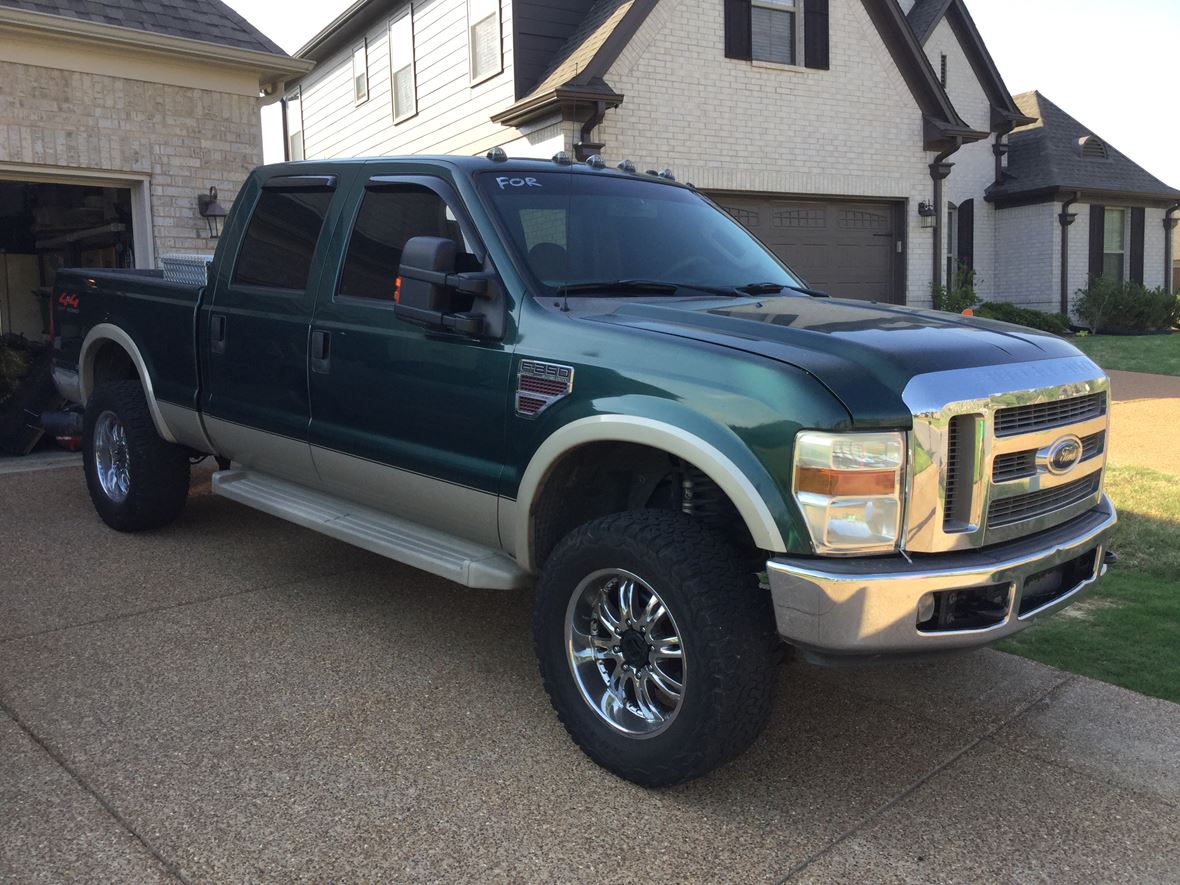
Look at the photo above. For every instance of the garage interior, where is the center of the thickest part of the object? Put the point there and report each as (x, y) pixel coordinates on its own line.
(45, 226)
(849, 249)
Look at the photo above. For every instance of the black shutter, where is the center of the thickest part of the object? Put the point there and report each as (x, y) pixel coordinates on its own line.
(1097, 239)
(966, 251)
(737, 29)
(1138, 225)
(815, 34)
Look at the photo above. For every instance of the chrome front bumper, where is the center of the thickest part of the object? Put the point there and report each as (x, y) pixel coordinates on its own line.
(870, 606)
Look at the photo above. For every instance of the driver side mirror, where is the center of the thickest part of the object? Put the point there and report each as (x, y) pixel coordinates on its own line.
(431, 290)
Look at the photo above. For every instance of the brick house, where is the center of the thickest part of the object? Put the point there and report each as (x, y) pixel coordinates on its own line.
(114, 116)
(857, 138)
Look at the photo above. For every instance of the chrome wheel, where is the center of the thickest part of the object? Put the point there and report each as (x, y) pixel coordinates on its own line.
(625, 652)
(110, 457)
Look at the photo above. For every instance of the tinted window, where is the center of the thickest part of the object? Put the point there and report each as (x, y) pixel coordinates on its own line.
(577, 228)
(389, 217)
(281, 238)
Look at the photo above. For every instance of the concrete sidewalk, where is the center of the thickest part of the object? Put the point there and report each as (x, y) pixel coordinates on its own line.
(237, 699)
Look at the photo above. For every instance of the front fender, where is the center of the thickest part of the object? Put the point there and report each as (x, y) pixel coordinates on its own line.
(667, 426)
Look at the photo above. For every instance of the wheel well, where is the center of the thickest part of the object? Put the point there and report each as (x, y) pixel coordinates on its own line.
(599, 479)
(111, 363)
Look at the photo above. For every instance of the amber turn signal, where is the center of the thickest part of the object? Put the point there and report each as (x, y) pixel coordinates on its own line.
(845, 483)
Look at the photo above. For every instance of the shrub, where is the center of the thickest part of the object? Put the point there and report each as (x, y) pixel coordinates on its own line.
(961, 294)
(1108, 306)
(1057, 323)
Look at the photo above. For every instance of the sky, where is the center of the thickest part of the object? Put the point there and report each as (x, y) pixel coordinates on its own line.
(1114, 66)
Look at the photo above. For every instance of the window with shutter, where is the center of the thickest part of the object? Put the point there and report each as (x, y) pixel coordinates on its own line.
(786, 32)
(294, 111)
(1114, 244)
(360, 74)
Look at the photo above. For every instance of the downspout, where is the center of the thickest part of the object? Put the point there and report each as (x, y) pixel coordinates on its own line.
(1169, 258)
(585, 148)
(286, 135)
(1066, 218)
(939, 170)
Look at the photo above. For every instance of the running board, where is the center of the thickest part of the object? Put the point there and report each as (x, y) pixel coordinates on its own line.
(471, 565)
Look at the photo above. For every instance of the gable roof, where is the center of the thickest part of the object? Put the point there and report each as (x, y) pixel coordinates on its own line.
(206, 21)
(924, 17)
(577, 70)
(1045, 157)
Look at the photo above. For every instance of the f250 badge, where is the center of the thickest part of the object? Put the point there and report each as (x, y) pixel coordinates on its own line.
(539, 385)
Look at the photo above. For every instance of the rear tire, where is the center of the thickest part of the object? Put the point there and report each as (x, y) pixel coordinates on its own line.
(136, 480)
(608, 654)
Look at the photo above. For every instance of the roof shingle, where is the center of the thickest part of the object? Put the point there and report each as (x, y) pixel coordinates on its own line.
(209, 21)
(1047, 154)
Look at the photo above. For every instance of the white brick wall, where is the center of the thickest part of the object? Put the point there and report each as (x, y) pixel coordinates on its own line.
(185, 139)
(1153, 248)
(725, 124)
(1026, 254)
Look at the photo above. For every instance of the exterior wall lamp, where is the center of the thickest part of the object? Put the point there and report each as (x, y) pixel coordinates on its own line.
(212, 211)
(927, 213)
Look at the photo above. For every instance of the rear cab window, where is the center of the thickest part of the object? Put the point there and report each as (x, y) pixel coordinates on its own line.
(281, 237)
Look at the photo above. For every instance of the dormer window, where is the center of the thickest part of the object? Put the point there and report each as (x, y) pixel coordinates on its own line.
(1093, 147)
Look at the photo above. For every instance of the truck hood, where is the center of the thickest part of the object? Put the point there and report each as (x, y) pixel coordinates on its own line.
(865, 353)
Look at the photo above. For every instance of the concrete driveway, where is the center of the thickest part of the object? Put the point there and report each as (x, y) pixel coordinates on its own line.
(235, 699)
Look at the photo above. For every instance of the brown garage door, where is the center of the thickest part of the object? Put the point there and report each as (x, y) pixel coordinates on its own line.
(846, 249)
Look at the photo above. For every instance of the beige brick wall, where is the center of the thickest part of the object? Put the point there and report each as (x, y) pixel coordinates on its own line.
(185, 139)
(724, 124)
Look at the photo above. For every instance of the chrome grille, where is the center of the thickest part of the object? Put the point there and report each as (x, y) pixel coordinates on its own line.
(1042, 416)
(1019, 508)
(981, 439)
(1017, 465)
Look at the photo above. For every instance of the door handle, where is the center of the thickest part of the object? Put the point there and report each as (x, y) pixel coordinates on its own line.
(321, 350)
(217, 333)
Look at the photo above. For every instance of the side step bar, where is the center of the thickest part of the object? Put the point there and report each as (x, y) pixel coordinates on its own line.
(472, 565)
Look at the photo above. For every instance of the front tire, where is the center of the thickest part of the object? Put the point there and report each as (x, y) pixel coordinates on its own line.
(136, 480)
(656, 646)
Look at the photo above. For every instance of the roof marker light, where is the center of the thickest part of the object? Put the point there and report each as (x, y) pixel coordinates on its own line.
(497, 155)
(595, 161)
(667, 173)
(626, 166)
(562, 158)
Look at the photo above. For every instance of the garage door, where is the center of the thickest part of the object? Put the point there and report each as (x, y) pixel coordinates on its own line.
(846, 249)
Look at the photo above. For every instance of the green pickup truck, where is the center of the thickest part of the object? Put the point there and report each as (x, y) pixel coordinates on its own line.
(593, 382)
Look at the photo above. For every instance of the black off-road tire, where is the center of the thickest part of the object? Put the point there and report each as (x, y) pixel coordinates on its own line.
(158, 470)
(726, 624)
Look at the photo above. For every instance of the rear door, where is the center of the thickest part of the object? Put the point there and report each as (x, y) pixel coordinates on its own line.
(406, 419)
(255, 326)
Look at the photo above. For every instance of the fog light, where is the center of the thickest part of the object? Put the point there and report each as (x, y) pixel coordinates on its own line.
(925, 608)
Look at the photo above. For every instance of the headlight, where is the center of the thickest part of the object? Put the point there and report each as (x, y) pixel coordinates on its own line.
(849, 487)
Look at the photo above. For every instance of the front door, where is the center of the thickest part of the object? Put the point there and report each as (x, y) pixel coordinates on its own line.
(405, 419)
(255, 326)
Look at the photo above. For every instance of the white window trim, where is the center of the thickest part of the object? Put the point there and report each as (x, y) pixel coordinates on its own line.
(413, 66)
(796, 8)
(363, 49)
(471, 23)
(296, 96)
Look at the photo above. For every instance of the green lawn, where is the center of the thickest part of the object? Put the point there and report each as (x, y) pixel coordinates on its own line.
(1127, 630)
(1133, 353)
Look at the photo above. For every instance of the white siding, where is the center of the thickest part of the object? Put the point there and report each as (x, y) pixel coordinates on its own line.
(724, 124)
(453, 116)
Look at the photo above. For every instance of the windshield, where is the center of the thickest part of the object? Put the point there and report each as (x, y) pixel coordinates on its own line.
(579, 230)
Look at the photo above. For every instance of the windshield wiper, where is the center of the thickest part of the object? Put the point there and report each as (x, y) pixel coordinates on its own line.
(770, 288)
(656, 286)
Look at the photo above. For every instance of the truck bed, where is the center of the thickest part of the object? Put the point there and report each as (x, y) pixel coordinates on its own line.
(158, 315)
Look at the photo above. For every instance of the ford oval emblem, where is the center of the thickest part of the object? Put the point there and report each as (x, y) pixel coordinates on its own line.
(1063, 455)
